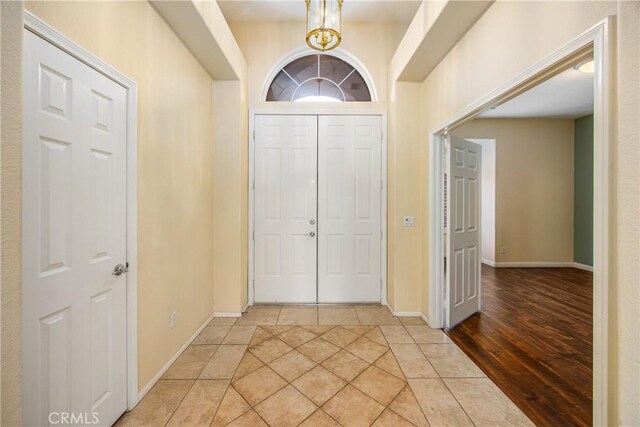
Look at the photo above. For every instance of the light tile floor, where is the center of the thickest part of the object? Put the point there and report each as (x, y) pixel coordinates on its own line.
(323, 366)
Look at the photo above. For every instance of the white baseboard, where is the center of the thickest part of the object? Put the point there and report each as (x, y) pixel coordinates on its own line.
(167, 365)
(583, 266)
(226, 314)
(407, 314)
(538, 265)
(534, 264)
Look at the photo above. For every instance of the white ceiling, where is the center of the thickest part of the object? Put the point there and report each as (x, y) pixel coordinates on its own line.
(294, 10)
(567, 95)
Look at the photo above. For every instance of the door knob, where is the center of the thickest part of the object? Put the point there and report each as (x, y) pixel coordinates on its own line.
(119, 269)
(312, 221)
(313, 233)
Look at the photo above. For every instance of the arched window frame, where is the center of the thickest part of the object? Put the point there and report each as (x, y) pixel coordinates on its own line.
(304, 51)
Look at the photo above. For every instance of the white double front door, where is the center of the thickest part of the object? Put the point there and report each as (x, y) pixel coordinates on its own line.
(317, 209)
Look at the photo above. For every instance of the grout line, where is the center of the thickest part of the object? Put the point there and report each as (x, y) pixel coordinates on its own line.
(225, 395)
(456, 399)
(391, 410)
(181, 400)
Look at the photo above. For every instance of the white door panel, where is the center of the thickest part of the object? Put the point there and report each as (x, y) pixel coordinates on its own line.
(349, 215)
(463, 210)
(74, 233)
(285, 208)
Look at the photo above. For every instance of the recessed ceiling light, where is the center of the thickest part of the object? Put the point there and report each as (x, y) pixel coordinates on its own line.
(585, 66)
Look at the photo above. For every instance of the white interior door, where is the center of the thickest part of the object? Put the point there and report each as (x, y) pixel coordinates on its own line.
(463, 221)
(349, 215)
(74, 233)
(285, 208)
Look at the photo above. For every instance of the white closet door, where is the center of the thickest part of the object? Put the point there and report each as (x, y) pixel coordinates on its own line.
(74, 233)
(349, 189)
(463, 211)
(285, 208)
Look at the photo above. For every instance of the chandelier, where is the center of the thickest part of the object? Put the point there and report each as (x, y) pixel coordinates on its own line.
(324, 21)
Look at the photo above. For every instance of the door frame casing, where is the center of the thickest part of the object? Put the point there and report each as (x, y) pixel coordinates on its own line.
(316, 109)
(38, 27)
(597, 41)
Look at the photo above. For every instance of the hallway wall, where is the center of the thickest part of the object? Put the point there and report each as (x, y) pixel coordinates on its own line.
(175, 165)
(534, 187)
(492, 53)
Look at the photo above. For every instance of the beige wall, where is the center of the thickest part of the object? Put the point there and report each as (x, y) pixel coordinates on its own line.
(405, 197)
(507, 39)
(175, 165)
(265, 44)
(11, 212)
(230, 197)
(534, 186)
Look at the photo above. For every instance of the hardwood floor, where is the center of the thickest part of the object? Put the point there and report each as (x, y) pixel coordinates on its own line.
(534, 339)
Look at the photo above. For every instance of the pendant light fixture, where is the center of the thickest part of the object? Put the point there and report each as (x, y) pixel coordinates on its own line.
(324, 22)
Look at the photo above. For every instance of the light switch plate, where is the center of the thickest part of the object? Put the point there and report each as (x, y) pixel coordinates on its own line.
(409, 221)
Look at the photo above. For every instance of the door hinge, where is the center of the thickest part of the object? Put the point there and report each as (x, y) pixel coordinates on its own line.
(253, 184)
(254, 134)
(381, 135)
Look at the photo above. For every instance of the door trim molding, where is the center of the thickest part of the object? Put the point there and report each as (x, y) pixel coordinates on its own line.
(317, 109)
(598, 41)
(56, 38)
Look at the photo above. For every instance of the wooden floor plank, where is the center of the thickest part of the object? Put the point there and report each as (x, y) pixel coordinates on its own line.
(534, 339)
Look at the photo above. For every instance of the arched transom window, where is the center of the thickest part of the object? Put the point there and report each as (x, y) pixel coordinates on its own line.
(318, 78)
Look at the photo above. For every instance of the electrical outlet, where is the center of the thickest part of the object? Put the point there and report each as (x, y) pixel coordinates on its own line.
(503, 250)
(173, 319)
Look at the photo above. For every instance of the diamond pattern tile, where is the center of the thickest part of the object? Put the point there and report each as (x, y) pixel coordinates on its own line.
(376, 336)
(340, 337)
(320, 419)
(318, 350)
(259, 385)
(358, 329)
(271, 368)
(248, 364)
(406, 405)
(260, 335)
(390, 419)
(277, 329)
(378, 384)
(292, 365)
(318, 330)
(319, 385)
(270, 350)
(250, 418)
(345, 365)
(232, 406)
(297, 336)
(388, 363)
(288, 407)
(351, 407)
(366, 349)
